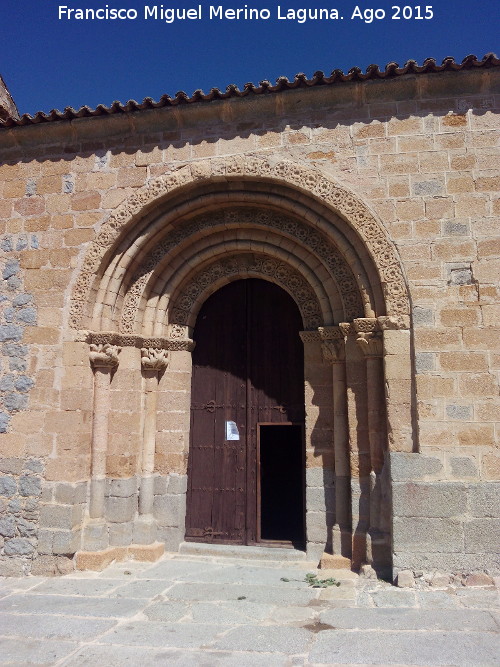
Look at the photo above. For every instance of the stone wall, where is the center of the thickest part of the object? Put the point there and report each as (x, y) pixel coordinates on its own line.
(444, 518)
(420, 150)
(20, 491)
(18, 311)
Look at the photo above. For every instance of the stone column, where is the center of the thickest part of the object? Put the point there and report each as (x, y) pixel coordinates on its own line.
(320, 500)
(370, 340)
(154, 362)
(103, 359)
(359, 455)
(333, 349)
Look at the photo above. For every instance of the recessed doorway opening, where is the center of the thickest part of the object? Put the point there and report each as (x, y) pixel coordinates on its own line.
(247, 386)
(281, 484)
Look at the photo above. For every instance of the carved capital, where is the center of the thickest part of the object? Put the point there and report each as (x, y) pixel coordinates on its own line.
(347, 328)
(371, 343)
(332, 344)
(369, 338)
(104, 355)
(154, 359)
(333, 351)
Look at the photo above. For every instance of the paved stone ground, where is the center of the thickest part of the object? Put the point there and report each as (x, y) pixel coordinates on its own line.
(198, 611)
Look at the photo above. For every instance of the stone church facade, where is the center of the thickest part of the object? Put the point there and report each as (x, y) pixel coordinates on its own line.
(371, 204)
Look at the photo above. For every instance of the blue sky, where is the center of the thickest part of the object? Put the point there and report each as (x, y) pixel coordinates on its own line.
(50, 63)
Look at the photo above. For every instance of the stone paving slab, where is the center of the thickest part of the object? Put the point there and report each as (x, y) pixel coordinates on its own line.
(10, 584)
(116, 656)
(184, 611)
(170, 611)
(426, 649)
(51, 627)
(117, 570)
(479, 598)
(206, 592)
(154, 634)
(70, 605)
(437, 600)
(410, 619)
(139, 589)
(266, 638)
(33, 651)
(66, 586)
(244, 574)
(394, 597)
(240, 611)
(173, 569)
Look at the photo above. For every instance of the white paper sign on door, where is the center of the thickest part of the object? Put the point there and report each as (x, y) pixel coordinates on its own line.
(232, 432)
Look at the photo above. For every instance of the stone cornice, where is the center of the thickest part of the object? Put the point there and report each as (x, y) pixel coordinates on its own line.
(180, 112)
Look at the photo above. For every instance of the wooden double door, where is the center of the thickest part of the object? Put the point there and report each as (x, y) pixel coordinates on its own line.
(246, 457)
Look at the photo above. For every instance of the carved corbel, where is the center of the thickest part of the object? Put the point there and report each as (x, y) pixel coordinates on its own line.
(154, 359)
(104, 355)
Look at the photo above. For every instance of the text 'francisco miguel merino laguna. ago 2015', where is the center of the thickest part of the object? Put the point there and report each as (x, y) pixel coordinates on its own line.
(245, 13)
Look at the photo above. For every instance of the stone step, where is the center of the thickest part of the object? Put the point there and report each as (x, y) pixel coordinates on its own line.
(277, 554)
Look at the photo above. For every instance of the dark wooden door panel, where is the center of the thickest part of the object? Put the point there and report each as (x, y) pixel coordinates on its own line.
(247, 368)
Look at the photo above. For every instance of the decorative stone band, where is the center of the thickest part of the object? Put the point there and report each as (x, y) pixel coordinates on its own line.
(115, 339)
(248, 264)
(104, 355)
(393, 322)
(366, 325)
(154, 359)
(310, 336)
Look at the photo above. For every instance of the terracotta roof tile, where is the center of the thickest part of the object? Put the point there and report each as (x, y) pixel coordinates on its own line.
(265, 87)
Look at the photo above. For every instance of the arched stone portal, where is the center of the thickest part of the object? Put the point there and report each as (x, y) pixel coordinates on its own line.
(160, 256)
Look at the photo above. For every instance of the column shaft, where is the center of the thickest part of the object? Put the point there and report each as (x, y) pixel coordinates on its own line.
(103, 358)
(341, 445)
(375, 384)
(146, 495)
(154, 361)
(100, 421)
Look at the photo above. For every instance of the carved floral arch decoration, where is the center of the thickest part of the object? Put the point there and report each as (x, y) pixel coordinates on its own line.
(266, 233)
(310, 181)
(192, 294)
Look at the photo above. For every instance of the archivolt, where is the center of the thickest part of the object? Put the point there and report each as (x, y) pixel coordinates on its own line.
(238, 230)
(135, 241)
(190, 297)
